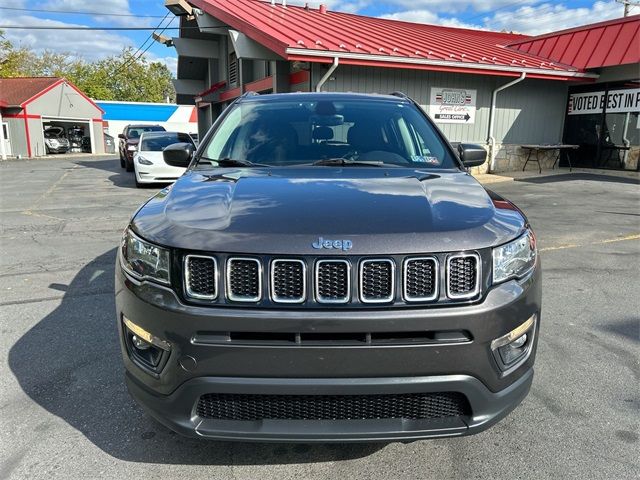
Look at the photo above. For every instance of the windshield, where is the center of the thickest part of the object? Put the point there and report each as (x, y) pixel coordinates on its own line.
(136, 132)
(158, 142)
(284, 133)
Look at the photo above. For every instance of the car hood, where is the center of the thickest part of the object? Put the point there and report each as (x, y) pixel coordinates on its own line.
(284, 211)
(133, 141)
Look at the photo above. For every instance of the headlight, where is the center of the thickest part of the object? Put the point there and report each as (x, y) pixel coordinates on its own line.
(143, 161)
(132, 148)
(514, 259)
(143, 259)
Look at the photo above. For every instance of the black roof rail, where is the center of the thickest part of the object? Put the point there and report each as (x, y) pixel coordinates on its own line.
(400, 95)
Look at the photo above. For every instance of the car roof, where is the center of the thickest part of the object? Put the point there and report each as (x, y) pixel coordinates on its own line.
(326, 96)
(160, 134)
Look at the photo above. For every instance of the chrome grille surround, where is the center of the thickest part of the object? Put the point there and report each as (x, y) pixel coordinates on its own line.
(392, 287)
(435, 279)
(229, 280)
(478, 272)
(274, 286)
(334, 300)
(188, 274)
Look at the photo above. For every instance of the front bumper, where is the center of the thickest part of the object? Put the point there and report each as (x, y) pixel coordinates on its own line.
(176, 411)
(194, 369)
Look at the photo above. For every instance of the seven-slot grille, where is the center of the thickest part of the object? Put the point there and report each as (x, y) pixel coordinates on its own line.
(201, 275)
(377, 281)
(330, 280)
(420, 279)
(253, 407)
(288, 281)
(333, 281)
(244, 279)
(463, 275)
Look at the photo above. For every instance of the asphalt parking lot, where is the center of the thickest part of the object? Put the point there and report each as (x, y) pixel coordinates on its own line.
(65, 412)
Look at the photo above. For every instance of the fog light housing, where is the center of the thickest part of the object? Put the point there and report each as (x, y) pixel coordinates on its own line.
(145, 349)
(513, 349)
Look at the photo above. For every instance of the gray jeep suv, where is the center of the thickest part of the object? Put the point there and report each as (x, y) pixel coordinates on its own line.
(327, 270)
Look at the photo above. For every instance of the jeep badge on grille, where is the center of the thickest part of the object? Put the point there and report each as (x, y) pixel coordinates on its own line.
(343, 245)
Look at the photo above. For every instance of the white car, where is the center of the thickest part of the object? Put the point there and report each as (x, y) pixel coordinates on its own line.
(148, 164)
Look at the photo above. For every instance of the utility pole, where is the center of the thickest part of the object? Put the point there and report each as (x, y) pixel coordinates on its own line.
(627, 5)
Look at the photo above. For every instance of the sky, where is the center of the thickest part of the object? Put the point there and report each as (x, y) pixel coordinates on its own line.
(531, 17)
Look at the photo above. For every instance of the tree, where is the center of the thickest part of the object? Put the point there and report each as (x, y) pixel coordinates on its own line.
(11, 58)
(123, 77)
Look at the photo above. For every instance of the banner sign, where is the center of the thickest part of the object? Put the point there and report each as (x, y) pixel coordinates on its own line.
(452, 105)
(617, 101)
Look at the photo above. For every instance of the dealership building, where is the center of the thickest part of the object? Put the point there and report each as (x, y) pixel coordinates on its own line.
(577, 87)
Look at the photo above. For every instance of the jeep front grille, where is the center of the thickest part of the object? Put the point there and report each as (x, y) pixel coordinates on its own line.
(201, 277)
(244, 279)
(288, 281)
(271, 280)
(255, 407)
(377, 281)
(333, 281)
(463, 275)
(420, 279)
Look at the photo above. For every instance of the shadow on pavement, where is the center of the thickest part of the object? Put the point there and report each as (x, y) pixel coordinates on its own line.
(69, 364)
(120, 178)
(567, 177)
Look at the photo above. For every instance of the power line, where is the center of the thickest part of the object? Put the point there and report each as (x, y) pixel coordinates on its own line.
(489, 12)
(42, 27)
(100, 14)
(133, 57)
(151, 34)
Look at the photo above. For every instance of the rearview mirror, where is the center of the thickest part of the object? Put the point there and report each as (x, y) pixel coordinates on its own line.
(178, 154)
(472, 155)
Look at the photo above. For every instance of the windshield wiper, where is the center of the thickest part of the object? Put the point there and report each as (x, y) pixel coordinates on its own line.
(232, 162)
(330, 162)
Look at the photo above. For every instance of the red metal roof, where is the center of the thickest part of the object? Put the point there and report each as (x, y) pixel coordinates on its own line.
(604, 44)
(299, 33)
(18, 91)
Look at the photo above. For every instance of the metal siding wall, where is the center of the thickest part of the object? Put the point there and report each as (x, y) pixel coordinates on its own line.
(532, 111)
(63, 101)
(98, 137)
(18, 136)
(37, 137)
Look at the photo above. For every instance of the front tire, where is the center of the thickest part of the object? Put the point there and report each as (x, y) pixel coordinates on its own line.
(122, 163)
(128, 165)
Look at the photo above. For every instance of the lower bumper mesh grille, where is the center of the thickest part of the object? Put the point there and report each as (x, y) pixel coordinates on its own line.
(332, 407)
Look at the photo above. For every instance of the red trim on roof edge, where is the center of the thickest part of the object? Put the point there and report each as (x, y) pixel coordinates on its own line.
(439, 68)
(249, 30)
(589, 26)
(53, 85)
(41, 92)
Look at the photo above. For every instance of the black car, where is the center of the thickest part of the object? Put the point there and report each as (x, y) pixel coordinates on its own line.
(129, 139)
(327, 270)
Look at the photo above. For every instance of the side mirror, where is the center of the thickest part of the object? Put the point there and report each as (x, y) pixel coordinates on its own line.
(178, 154)
(121, 136)
(472, 155)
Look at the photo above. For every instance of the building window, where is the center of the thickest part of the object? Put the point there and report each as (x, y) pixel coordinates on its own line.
(233, 69)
